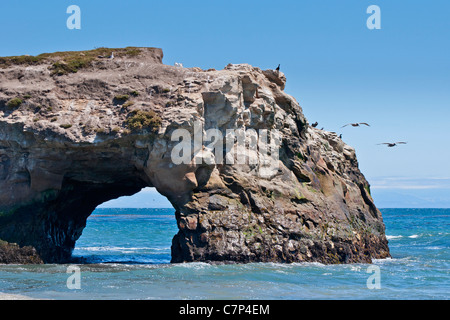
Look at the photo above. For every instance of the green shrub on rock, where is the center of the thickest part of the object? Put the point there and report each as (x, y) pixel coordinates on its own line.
(143, 120)
(14, 103)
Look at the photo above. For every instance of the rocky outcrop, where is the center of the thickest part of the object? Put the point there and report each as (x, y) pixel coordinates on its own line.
(13, 254)
(78, 129)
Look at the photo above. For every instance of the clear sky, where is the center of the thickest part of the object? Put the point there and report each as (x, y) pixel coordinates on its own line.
(396, 78)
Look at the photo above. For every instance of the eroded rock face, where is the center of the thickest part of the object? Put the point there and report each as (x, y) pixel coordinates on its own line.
(14, 254)
(70, 145)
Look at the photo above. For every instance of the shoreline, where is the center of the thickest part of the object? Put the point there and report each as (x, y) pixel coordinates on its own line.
(7, 296)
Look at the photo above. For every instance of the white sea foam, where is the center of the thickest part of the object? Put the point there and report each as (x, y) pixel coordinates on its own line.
(4, 296)
(414, 236)
(434, 248)
(393, 237)
(194, 265)
(309, 264)
(386, 260)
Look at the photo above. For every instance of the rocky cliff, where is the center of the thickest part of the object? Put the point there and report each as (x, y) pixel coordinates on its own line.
(80, 128)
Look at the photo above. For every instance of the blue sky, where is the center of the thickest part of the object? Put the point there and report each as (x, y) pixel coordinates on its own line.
(396, 78)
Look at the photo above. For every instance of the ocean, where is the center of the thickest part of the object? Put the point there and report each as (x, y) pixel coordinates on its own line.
(126, 255)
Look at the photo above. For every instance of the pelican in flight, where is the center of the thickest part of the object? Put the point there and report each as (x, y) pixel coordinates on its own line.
(392, 144)
(356, 124)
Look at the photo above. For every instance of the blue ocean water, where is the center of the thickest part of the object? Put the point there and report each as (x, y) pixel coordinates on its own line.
(128, 253)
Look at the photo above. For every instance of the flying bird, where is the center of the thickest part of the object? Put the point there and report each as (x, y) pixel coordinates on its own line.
(357, 124)
(392, 144)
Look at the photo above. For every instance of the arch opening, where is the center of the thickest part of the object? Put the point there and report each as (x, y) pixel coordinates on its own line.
(136, 229)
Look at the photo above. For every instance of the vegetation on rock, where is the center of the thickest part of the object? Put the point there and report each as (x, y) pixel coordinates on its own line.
(14, 103)
(143, 120)
(63, 63)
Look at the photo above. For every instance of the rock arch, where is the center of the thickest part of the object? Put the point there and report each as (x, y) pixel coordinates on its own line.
(92, 135)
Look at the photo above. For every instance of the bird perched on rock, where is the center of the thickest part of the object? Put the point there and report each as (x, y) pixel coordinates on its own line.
(111, 56)
(356, 124)
(392, 144)
(278, 68)
(314, 125)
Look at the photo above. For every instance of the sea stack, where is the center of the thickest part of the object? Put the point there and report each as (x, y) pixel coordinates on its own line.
(77, 130)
